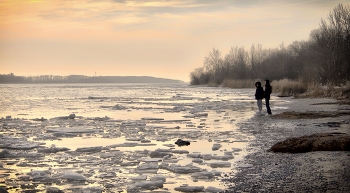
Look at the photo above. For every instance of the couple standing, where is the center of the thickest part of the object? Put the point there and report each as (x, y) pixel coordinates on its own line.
(260, 94)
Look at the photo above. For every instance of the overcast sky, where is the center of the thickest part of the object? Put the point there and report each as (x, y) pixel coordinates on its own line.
(167, 39)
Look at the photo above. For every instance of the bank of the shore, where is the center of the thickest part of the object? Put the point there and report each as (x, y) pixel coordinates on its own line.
(285, 172)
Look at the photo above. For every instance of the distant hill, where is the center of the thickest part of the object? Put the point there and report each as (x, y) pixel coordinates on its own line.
(12, 79)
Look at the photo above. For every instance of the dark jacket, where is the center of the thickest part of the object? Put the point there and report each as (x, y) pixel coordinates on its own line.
(259, 92)
(268, 90)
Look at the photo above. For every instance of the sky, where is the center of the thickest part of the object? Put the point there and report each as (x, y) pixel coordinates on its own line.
(166, 39)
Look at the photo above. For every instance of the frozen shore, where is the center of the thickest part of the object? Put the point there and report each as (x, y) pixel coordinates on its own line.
(320, 171)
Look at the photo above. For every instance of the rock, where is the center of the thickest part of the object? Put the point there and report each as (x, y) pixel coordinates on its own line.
(71, 116)
(189, 188)
(3, 190)
(4, 153)
(181, 142)
(315, 142)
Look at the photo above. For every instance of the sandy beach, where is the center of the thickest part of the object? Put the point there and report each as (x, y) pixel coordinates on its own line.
(319, 171)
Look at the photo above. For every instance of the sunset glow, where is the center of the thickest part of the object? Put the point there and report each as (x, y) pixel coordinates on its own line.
(153, 38)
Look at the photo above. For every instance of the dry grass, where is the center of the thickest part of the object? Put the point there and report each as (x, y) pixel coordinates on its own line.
(294, 88)
(229, 83)
(341, 92)
(287, 87)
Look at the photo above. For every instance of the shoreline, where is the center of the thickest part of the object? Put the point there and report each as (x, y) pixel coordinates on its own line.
(320, 171)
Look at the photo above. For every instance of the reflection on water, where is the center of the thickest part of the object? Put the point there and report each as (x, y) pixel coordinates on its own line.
(122, 136)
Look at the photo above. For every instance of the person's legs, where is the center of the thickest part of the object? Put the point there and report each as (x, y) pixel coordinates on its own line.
(259, 102)
(267, 102)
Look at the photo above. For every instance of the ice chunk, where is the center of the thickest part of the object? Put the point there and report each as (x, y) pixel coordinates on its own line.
(73, 176)
(140, 177)
(206, 156)
(52, 149)
(52, 189)
(181, 169)
(216, 173)
(89, 149)
(150, 185)
(159, 154)
(133, 139)
(225, 157)
(116, 154)
(216, 146)
(194, 155)
(189, 188)
(201, 174)
(197, 160)
(220, 164)
(236, 149)
(151, 159)
(24, 178)
(36, 174)
(147, 166)
(95, 189)
(73, 130)
(179, 151)
(158, 177)
(212, 189)
(151, 119)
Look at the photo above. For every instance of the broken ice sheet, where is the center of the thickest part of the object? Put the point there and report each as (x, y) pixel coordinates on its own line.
(106, 147)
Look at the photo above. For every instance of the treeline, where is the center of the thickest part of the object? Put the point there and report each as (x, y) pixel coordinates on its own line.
(12, 79)
(324, 58)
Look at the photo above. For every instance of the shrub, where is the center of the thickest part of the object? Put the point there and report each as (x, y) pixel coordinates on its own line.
(230, 83)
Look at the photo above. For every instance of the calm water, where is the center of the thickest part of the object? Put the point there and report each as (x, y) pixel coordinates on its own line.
(119, 114)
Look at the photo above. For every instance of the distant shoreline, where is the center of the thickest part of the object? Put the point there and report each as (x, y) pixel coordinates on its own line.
(81, 79)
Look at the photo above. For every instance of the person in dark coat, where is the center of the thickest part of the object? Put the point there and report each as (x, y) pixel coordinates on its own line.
(268, 91)
(259, 95)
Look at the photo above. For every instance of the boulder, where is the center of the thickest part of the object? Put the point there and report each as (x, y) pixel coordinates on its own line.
(181, 142)
(316, 142)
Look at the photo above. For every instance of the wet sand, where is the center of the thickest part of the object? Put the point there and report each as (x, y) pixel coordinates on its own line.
(320, 171)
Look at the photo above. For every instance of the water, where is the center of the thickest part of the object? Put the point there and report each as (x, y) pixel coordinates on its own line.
(109, 115)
